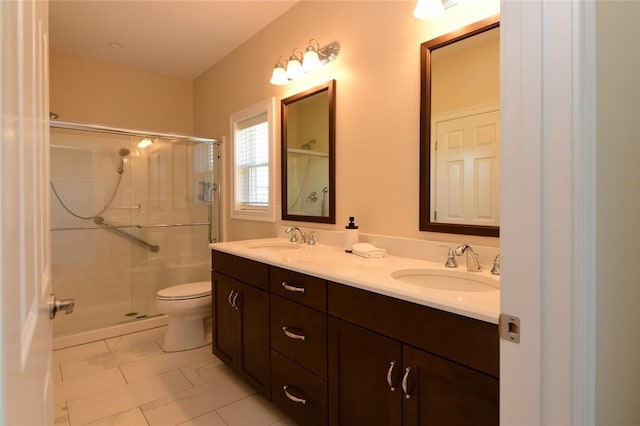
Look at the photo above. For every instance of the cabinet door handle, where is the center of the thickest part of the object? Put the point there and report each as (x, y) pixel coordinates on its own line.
(233, 303)
(290, 287)
(229, 298)
(404, 383)
(392, 364)
(293, 398)
(293, 335)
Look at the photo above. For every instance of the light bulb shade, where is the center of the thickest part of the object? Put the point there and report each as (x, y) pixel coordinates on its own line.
(428, 9)
(311, 60)
(294, 68)
(279, 75)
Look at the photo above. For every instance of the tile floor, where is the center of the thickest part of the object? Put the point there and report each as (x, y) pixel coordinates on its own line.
(129, 381)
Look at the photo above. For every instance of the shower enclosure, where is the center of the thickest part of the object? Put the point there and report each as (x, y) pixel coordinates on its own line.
(131, 213)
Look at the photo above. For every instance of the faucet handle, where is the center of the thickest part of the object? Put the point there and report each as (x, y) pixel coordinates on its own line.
(310, 237)
(496, 266)
(451, 258)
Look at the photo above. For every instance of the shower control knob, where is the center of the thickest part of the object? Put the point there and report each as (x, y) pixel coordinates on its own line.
(56, 305)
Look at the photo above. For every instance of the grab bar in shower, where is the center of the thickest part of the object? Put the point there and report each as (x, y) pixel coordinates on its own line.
(162, 225)
(101, 221)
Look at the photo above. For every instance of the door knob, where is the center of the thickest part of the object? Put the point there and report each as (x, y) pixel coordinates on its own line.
(56, 305)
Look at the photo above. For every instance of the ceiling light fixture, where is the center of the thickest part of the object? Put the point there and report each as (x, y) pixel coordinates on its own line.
(313, 58)
(145, 143)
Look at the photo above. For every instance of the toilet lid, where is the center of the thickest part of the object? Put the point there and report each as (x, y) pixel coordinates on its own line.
(186, 291)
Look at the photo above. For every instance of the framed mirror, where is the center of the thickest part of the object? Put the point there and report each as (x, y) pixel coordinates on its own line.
(460, 131)
(308, 155)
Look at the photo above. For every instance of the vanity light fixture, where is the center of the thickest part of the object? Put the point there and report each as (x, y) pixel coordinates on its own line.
(313, 58)
(431, 9)
(279, 75)
(294, 66)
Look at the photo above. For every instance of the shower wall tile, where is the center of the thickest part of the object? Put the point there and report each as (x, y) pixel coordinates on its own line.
(124, 397)
(102, 361)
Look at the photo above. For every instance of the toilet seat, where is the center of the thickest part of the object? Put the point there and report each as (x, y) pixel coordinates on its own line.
(187, 291)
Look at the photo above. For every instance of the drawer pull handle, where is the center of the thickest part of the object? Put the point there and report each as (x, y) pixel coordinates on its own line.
(392, 364)
(404, 383)
(293, 335)
(229, 298)
(289, 287)
(293, 398)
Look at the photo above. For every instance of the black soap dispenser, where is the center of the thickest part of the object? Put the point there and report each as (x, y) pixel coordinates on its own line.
(350, 234)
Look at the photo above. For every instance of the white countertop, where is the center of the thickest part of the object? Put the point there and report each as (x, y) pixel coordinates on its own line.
(334, 264)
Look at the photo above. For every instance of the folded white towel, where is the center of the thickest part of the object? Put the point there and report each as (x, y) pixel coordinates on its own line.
(368, 250)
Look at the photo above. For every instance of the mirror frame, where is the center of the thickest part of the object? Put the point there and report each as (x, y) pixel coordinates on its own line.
(425, 130)
(330, 88)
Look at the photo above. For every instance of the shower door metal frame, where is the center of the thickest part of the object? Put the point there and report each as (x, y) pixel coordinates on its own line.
(214, 197)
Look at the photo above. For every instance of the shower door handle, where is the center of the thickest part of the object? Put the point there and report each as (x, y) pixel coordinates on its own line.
(56, 305)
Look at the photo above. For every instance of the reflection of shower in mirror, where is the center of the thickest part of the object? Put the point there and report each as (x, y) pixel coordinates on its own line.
(308, 144)
(323, 197)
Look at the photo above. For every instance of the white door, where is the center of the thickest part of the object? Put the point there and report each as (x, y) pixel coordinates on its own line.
(467, 158)
(548, 229)
(25, 343)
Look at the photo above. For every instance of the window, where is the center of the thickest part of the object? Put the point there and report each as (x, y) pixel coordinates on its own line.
(252, 162)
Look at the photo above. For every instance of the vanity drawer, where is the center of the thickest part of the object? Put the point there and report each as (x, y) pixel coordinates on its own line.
(245, 270)
(305, 289)
(299, 333)
(300, 386)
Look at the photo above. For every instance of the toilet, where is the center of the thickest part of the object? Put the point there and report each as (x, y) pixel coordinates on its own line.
(187, 306)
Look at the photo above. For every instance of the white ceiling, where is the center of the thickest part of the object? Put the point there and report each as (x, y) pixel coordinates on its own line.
(177, 37)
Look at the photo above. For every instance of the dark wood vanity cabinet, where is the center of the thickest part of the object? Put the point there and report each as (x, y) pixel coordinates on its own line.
(299, 346)
(241, 317)
(388, 364)
(328, 353)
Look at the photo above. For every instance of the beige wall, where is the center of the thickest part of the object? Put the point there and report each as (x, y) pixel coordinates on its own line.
(87, 90)
(377, 89)
(618, 222)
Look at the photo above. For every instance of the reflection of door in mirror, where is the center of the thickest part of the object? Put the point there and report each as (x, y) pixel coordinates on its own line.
(465, 184)
(308, 155)
(460, 131)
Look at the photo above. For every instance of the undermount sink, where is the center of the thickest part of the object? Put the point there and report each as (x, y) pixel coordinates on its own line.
(274, 246)
(446, 280)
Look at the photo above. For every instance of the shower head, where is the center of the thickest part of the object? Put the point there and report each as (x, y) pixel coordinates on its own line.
(123, 152)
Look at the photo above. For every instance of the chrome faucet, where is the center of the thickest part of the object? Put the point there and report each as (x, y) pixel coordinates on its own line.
(473, 264)
(295, 231)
